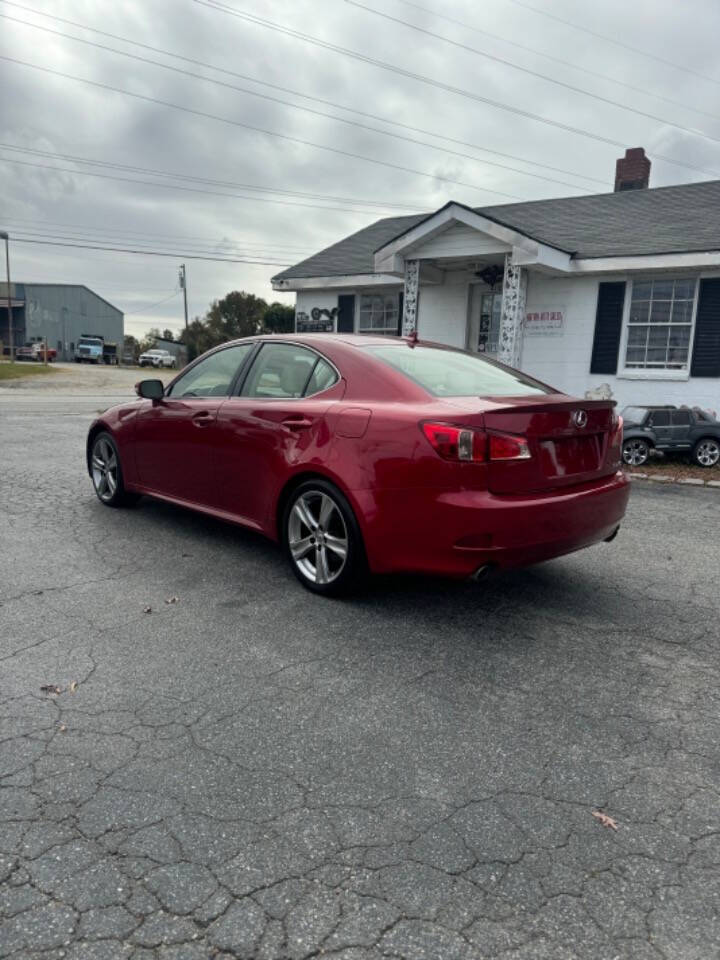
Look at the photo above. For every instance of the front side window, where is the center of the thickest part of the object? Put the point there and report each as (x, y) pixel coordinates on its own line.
(287, 371)
(379, 313)
(660, 418)
(660, 324)
(212, 376)
(456, 373)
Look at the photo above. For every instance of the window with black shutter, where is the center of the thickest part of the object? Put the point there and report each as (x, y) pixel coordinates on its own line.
(706, 347)
(608, 327)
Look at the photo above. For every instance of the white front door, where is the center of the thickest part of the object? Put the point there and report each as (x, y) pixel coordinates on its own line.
(484, 319)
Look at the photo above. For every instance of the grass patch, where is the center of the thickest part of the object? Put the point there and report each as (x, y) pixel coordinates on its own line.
(15, 371)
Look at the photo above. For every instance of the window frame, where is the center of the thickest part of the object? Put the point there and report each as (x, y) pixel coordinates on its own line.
(206, 356)
(656, 373)
(358, 313)
(244, 373)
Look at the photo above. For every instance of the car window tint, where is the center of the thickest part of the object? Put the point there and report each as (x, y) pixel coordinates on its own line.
(212, 376)
(456, 373)
(681, 418)
(660, 418)
(280, 371)
(323, 376)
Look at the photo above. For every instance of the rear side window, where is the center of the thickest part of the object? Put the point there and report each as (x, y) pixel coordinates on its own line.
(456, 373)
(323, 377)
(286, 371)
(660, 418)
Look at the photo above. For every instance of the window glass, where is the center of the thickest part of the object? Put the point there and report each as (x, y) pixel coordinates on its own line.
(379, 313)
(280, 370)
(634, 414)
(212, 376)
(660, 324)
(456, 373)
(681, 418)
(323, 376)
(660, 418)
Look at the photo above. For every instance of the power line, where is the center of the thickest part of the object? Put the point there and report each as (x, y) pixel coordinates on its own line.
(292, 106)
(150, 306)
(304, 96)
(148, 253)
(270, 133)
(548, 56)
(614, 40)
(234, 242)
(170, 186)
(401, 71)
(179, 252)
(534, 73)
(193, 179)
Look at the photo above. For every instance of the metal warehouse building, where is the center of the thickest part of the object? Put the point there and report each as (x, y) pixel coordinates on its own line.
(62, 312)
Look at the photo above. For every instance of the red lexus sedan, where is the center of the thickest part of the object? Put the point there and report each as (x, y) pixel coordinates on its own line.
(363, 453)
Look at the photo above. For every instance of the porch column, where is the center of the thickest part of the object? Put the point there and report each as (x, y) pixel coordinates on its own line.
(410, 297)
(513, 312)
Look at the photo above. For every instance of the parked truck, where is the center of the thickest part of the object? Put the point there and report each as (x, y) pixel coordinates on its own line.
(92, 348)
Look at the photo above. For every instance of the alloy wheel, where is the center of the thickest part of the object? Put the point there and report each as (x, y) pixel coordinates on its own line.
(708, 453)
(317, 537)
(635, 453)
(104, 469)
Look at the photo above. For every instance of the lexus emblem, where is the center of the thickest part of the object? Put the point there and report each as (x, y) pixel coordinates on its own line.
(579, 418)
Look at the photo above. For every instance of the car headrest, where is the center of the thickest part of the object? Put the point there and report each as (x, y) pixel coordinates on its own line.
(293, 377)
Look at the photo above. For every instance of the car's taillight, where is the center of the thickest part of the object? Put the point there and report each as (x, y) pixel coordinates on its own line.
(463, 443)
(616, 429)
(455, 443)
(504, 447)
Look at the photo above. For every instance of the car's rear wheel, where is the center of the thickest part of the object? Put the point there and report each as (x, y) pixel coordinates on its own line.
(107, 473)
(707, 452)
(635, 452)
(322, 539)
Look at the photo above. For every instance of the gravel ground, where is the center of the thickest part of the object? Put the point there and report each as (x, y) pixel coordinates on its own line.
(83, 379)
(253, 772)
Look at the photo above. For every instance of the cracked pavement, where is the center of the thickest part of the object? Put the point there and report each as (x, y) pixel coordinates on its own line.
(256, 772)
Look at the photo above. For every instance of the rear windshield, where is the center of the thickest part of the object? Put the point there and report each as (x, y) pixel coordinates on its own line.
(456, 373)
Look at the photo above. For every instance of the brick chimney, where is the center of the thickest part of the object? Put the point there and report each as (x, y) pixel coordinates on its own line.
(632, 172)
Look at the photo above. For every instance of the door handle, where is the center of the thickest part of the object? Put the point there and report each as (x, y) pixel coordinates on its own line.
(297, 423)
(203, 418)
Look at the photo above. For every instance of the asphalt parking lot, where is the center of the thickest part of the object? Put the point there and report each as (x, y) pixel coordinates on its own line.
(251, 771)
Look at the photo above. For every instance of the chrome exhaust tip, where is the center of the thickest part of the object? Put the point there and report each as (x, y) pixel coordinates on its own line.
(613, 534)
(481, 573)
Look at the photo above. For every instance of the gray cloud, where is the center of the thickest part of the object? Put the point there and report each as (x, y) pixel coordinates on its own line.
(58, 115)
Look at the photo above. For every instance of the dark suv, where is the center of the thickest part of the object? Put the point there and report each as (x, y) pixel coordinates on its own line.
(672, 430)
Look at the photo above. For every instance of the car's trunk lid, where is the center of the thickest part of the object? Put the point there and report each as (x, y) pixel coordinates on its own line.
(567, 440)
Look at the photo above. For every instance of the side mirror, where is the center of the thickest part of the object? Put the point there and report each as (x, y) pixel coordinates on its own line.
(150, 389)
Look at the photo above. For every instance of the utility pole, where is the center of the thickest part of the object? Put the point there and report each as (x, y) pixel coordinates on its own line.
(6, 238)
(183, 284)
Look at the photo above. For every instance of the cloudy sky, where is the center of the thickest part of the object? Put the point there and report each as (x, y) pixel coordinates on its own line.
(199, 182)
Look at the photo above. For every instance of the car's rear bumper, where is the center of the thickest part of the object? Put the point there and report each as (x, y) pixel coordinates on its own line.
(455, 533)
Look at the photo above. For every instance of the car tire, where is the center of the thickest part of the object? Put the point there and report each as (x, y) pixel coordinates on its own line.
(635, 452)
(322, 539)
(706, 452)
(106, 473)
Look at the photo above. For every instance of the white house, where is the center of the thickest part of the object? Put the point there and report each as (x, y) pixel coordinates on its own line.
(619, 289)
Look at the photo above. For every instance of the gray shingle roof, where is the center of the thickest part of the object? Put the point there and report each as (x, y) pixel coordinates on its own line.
(678, 219)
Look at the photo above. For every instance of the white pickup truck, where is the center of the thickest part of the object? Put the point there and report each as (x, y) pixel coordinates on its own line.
(156, 358)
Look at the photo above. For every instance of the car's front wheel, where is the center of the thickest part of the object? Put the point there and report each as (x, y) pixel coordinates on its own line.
(322, 539)
(107, 473)
(707, 452)
(635, 452)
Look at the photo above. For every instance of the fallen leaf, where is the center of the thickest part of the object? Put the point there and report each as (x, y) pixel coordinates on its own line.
(51, 688)
(147, 610)
(63, 728)
(171, 600)
(73, 686)
(605, 820)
